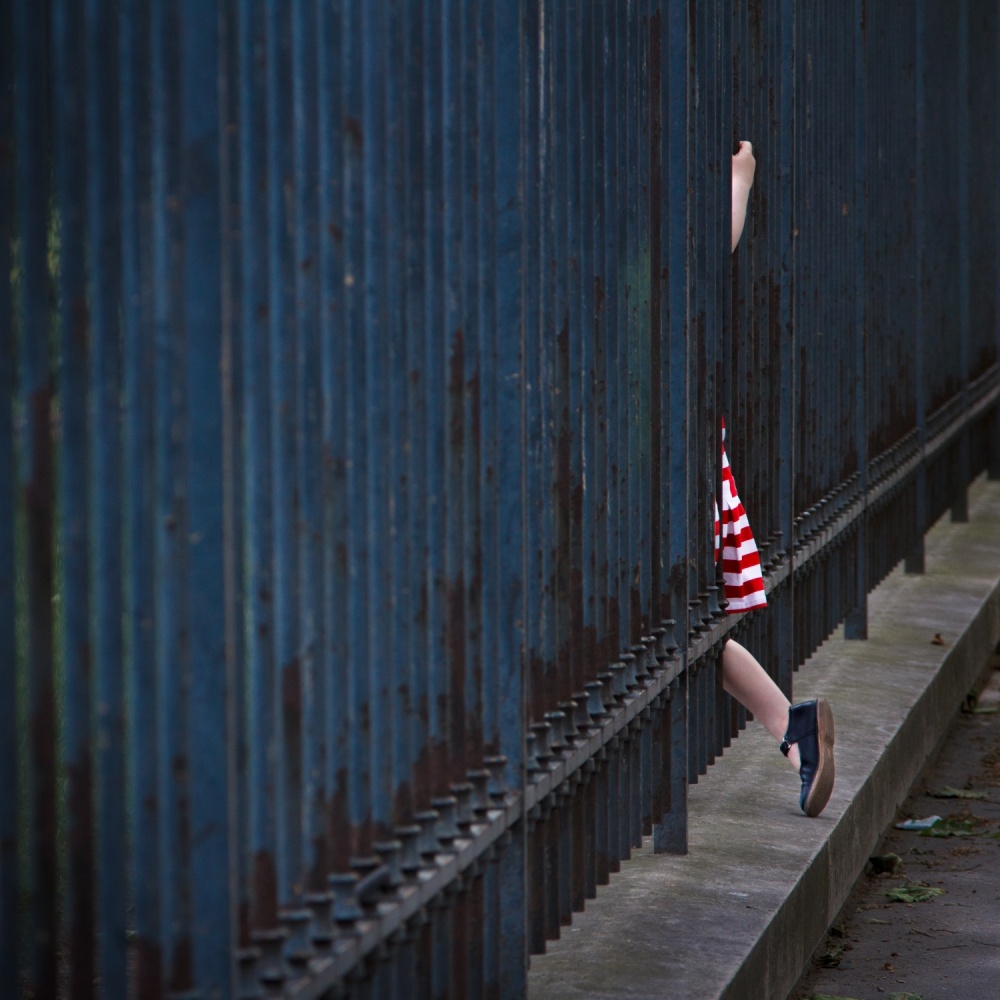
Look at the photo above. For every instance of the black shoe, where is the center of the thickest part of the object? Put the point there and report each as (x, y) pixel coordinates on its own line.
(810, 725)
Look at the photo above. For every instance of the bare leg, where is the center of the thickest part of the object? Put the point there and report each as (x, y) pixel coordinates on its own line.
(747, 681)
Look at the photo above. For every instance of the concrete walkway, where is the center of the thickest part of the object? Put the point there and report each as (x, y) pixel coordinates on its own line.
(948, 945)
(740, 915)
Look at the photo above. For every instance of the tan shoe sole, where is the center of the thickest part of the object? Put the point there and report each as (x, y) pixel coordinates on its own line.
(822, 785)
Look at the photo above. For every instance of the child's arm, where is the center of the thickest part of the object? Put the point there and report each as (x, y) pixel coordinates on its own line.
(743, 169)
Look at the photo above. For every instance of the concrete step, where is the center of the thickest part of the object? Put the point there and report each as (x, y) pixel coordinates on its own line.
(740, 915)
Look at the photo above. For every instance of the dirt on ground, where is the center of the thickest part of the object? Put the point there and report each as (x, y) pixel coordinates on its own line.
(924, 919)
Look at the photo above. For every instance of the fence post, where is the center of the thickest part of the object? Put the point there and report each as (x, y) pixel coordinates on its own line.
(856, 624)
(960, 502)
(509, 205)
(915, 559)
(8, 505)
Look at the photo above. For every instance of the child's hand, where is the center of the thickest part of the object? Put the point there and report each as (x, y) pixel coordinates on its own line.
(744, 166)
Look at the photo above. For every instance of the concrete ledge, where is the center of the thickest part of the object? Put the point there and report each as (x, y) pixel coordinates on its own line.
(741, 914)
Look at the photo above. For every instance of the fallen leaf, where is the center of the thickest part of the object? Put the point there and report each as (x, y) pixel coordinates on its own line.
(937, 640)
(957, 793)
(913, 892)
(949, 828)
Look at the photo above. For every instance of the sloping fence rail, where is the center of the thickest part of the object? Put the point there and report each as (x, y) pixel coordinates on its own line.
(362, 368)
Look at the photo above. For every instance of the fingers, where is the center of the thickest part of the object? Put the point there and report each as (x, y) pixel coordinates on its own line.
(744, 165)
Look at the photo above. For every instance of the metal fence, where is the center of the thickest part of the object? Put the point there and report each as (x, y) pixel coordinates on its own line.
(362, 367)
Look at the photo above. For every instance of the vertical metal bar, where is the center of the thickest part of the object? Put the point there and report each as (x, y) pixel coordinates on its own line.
(786, 350)
(960, 503)
(308, 429)
(544, 692)
(403, 437)
(602, 848)
(103, 200)
(560, 337)
(578, 221)
(671, 834)
(263, 791)
(34, 506)
(701, 479)
(493, 541)
(510, 200)
(614, 805)
(138, 442)
(470, 743)
(491, 929)
(231, 378)
(532, 432)
(617, 609)
(915, 559)
(376, 290)
(75, 654)
(283, 389)
(603, 598)
(334, 430)
(360, 766)
(434, 365)
(8, 550)
(173, 777)
(856, 623)
(659, 312)
(208, 748)
(587, 317)
(647, 331)
(452, 361)
(638, 331)
(415, 360)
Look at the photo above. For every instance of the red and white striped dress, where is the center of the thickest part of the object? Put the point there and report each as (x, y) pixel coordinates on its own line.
(744, 584)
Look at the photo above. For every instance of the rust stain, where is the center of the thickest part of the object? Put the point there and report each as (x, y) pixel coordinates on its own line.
(340, 836)
(264, 880)
(291, 690)
(80, 321)
(81, 856)
(147, 968)
(182, 966)
(352, 126)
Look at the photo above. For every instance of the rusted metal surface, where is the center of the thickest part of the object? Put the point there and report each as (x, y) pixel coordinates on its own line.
(362, 369)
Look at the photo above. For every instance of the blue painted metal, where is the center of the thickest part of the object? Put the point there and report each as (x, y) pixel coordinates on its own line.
(207, 753)
(77, 340)
(107, 644)
(34, 514)
(138, 510)
(9, 728)
(960, 501)
(856, 623)
(364, 369)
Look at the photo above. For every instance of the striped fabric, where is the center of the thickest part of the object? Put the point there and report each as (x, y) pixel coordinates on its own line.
(744, 584)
